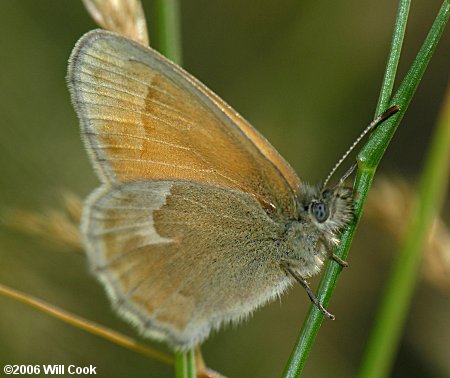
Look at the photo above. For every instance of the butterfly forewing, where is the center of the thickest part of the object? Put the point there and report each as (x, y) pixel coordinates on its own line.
(144, 118)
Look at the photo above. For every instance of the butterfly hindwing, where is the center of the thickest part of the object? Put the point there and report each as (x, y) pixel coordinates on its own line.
(180, 258)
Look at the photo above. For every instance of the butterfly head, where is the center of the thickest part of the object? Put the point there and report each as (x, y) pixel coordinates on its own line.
(329, 209)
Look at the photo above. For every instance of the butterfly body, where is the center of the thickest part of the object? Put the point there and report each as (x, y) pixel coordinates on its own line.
(198, 220)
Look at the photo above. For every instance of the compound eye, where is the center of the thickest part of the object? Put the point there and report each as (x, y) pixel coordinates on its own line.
(320, 211)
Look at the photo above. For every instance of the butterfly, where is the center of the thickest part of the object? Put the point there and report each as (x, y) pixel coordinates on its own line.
(198, 220)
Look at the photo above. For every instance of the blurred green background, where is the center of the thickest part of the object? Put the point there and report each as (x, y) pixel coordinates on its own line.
(307, 75)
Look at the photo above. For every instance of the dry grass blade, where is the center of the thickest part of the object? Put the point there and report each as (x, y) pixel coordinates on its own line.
(125, 17)
(86, 325)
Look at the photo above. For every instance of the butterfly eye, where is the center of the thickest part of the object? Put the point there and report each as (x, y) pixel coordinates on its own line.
(320, 211)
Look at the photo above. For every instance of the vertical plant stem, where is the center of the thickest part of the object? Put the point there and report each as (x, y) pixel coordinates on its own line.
(191, 364)
(368, 160)
(180, 365)
(167, 18)
(169, 30)
(394, 56)
(386, 334)
(185, 366)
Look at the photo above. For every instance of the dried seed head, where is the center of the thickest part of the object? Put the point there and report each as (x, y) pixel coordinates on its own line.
(57, 226)
(125, 17)
(388, 205)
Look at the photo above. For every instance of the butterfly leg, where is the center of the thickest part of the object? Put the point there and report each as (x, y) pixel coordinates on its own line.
(341, 262)
(332, 255)
(289, 269)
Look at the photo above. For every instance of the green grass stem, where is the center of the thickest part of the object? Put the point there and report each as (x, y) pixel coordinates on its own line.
(185, 366)
(394, 309)
(167, 17)
(368, 160)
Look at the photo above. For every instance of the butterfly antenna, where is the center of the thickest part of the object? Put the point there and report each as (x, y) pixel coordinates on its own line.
(382, 117)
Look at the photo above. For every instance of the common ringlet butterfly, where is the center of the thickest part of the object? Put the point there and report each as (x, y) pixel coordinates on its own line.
(198, 220)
